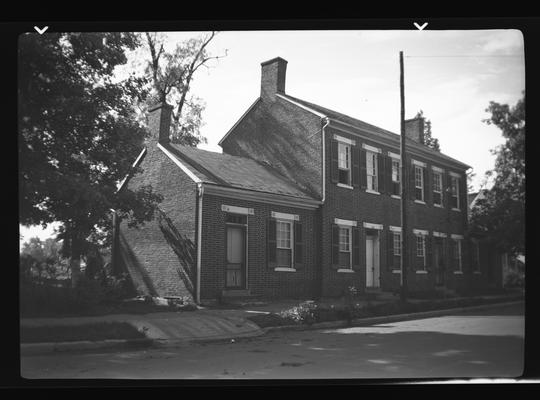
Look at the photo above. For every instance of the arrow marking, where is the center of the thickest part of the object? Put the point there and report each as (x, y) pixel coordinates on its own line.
(41, 31)
(421, 27)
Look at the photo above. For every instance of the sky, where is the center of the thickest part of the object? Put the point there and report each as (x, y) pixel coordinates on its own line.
(450, 75)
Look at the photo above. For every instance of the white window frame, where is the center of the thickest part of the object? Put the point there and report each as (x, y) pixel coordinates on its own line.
(421, 187)
(291, 239)
(344, 154)
(440, 191)
(373, 183)
(348, 228)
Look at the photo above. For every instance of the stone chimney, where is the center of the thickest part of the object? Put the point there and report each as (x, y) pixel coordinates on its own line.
(273, 74)
(414, 129)
(159, 122)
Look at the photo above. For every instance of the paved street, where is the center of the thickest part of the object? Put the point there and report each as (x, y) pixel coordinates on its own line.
(487, 343)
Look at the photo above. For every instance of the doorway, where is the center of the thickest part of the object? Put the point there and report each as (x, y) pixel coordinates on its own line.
(438, 257)
(373, 273)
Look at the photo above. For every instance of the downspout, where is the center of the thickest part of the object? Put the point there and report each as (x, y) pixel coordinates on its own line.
(324, 123)
(200, 192)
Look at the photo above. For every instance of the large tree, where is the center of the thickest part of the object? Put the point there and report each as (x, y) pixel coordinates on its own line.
(500, 215)
(78, 137)
(171, 74)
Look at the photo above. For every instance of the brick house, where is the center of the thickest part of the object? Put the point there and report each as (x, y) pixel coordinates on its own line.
(304, 202)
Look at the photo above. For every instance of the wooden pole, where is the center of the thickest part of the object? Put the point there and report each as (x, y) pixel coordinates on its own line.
(403, 165)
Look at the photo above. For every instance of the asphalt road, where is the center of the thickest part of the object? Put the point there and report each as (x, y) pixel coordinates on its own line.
(487, 343)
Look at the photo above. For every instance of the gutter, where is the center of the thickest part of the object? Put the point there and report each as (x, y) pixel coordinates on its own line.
(200, 192)
(325, 121)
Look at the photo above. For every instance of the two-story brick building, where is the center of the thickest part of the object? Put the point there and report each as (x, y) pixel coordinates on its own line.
(304, 202)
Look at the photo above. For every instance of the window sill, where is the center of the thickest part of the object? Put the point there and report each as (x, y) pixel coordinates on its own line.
(458, 272)
(420, 202)
(395, 196)
(396, 271)
(456, 209)
(476, 272)
(346, 270)
(345, 186)
(438, 205)
(421, 271)
(284, 269)
(371, 191)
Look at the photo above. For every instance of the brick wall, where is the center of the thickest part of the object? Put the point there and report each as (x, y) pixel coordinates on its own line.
(160, 255)
(262, 280)
(284, 136)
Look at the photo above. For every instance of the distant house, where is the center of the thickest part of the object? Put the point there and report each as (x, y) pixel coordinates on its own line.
(303, 202)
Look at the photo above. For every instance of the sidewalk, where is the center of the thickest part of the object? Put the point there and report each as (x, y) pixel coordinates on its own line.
(203, 325)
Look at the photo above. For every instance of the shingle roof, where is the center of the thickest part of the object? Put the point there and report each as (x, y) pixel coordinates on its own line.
(364, 125)
(234, 171)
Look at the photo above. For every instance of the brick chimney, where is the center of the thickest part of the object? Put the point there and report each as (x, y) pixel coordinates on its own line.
(159, 122)
(414, 129)
(273, 74)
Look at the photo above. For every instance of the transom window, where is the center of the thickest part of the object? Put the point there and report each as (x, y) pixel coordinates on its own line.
(419, 182)
(454, 197)
(235, 219)
(345, 247)
(371, 170)
(344, 163)
(283, 239)
(437, 188)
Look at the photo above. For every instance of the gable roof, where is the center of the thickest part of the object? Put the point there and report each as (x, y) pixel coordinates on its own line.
(337, 116)
(234, 171)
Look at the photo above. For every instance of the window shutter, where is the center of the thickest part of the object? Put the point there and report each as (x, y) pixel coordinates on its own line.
(335, 246)
(429, 253)
(463, 193)
(271, 241)
(389, 186)
(448, 190)
(355, 153)
(298, 246)
(363, 169)
(390, 249)
(334, 169)
(411, 180)
(381, 177)
(428, 185)
(355, 247)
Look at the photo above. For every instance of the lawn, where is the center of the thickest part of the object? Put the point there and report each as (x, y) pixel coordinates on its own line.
(91, 332)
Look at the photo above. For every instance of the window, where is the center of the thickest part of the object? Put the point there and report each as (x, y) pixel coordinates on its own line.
(454, 195)
(236, 219)
(437, 188)
(419, 182)
(397, 244)
(421, 250)
(284, 243)
(371, 170)
(456, 254)
(396, 177)
(345, 247)
(344, 163)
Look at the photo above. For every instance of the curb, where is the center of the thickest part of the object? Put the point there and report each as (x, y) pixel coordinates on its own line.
(28, 349)
(383, 319)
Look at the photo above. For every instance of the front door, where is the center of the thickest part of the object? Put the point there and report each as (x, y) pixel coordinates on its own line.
(372, 261)
(236, 252)
(438, 257)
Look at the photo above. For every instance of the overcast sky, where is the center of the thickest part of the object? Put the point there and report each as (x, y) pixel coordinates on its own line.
(450, 75)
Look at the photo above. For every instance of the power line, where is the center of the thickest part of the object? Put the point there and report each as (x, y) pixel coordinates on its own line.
(467, 55)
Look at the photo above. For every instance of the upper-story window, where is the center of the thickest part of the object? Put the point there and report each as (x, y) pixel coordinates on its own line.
(454, 192)
(437, 188)
(419, 182)
(344, 163)
(371, 171)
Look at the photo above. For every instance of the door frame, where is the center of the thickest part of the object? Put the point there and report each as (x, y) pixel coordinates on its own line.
(376, 255)
(244, 228)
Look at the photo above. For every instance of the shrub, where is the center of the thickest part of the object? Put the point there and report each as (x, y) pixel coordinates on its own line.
(304, 313)
(87, 293)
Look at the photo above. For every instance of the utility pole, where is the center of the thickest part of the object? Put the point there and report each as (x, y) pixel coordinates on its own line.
(403, 263)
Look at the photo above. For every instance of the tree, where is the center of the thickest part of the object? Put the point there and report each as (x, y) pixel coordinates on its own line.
(501, 213)
(429, 140)
(78, 137)
(171, 75)
(41, 259)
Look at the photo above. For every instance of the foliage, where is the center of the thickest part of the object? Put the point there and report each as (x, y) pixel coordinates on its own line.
(500, 214)
(429, 140)
(303, 313)
(41, 260)
(171, 74)
(77, 135)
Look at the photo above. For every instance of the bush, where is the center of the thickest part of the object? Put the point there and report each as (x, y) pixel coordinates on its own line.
(87, 293)
(304, 313)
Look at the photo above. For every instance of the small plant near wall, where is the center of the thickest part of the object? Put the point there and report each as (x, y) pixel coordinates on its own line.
(305, 313)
